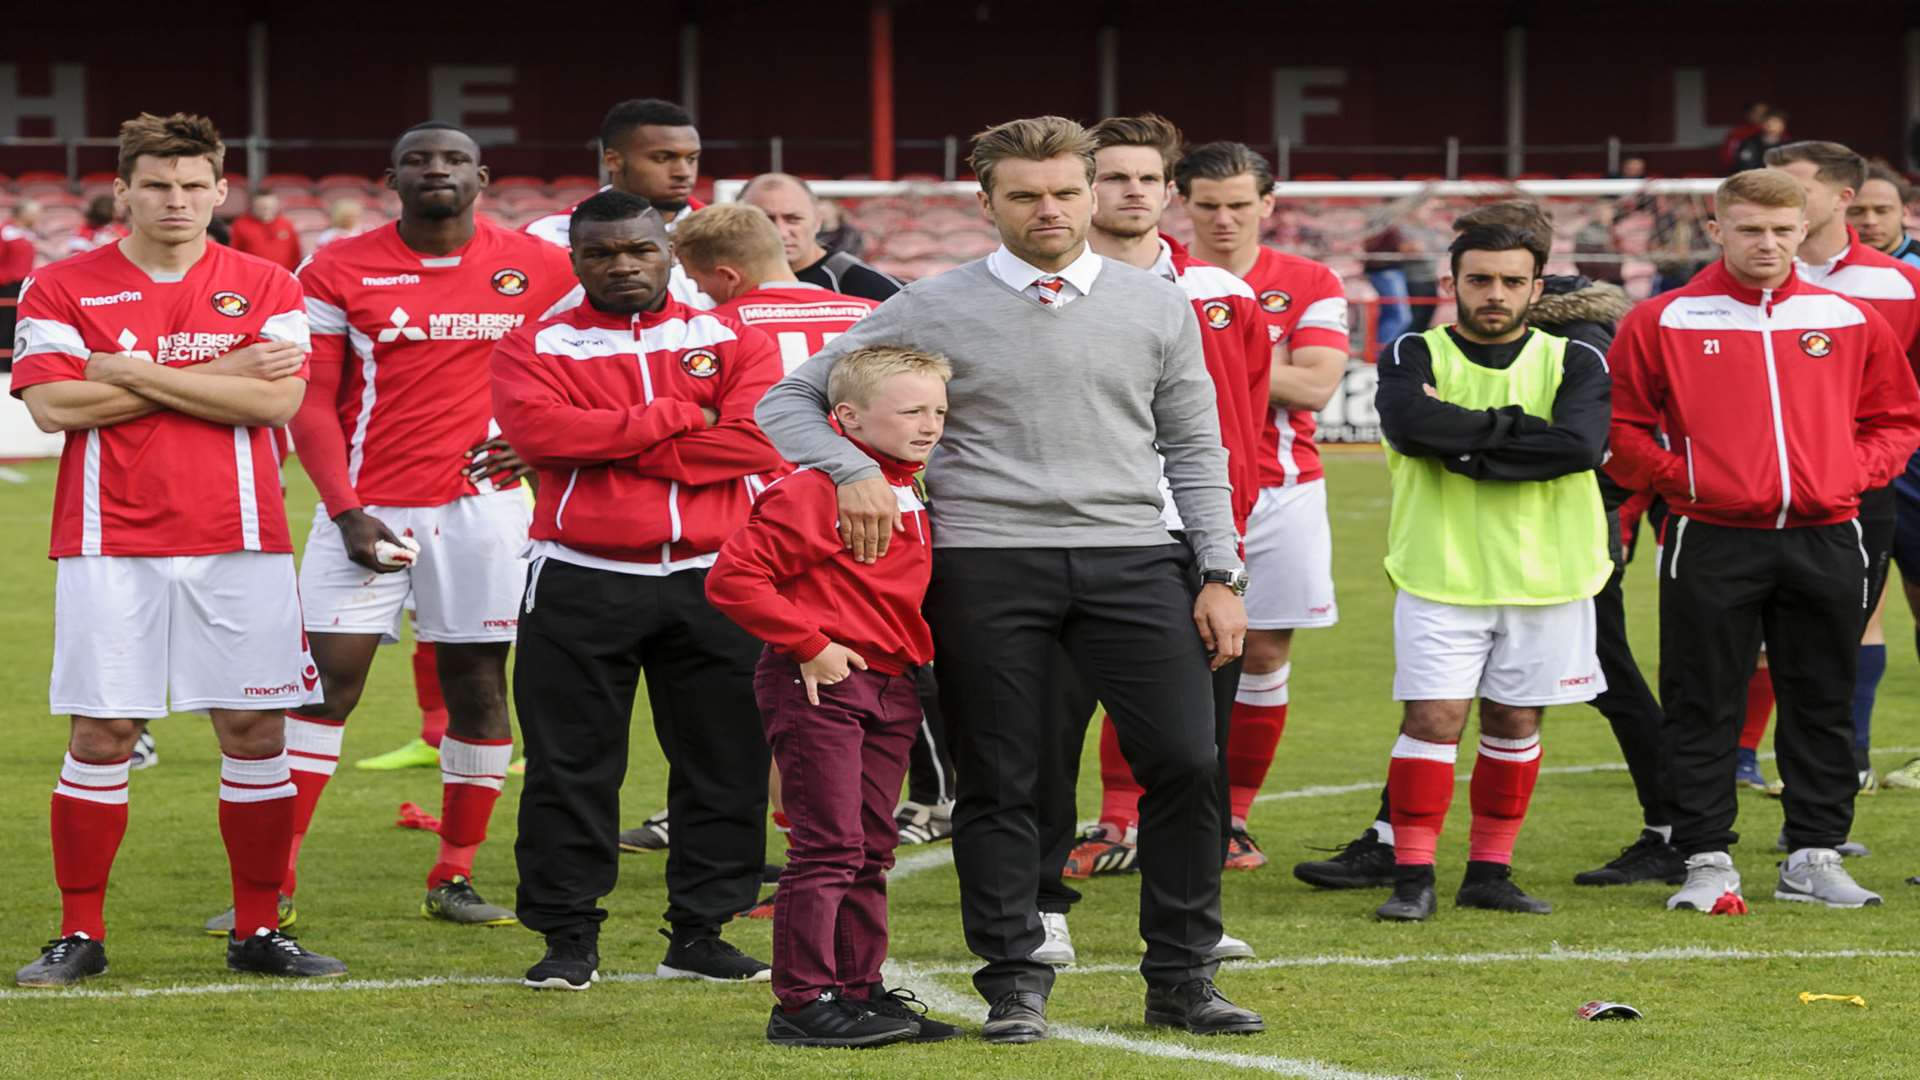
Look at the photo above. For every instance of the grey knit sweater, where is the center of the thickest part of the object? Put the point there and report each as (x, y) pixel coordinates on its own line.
(1059, 415)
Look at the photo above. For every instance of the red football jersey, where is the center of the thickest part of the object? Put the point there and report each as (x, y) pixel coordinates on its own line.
(1888, 285)
(800, 318)
(1305, 306)
(415, 334)
(166, 483)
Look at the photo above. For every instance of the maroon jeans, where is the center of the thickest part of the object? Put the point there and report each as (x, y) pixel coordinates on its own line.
(841, 765)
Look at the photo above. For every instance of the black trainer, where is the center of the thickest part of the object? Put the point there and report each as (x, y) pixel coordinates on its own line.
(1197, 1006)
(64, 961)
(1016, 1017)
(270, 952)
(1489, 886)
(572, 963)
(901, 1004)
(1366, 863)
(1650, 858)
(833, 1021)
(1413, 897)
(704, 955)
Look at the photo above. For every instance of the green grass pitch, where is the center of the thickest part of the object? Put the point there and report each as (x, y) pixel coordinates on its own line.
(1469, 994)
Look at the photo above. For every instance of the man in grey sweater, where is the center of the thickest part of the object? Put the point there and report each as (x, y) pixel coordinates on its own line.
(1077, 381)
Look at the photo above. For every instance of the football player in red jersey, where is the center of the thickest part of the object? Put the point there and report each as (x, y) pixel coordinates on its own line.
(649, 148)
(734, 253)
(1227, 189)
(169, 362)
(419, 496)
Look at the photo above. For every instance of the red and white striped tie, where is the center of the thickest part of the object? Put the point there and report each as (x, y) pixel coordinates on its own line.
(1049, 287)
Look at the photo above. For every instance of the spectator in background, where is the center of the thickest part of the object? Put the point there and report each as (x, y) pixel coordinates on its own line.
(1595, 238)
(790, 203)
(1879, 214)
(17, 256)
(1387, 275)
(1422, 284)
(343, 220)
(97, 229)
(1752, 153)
(263, 231)
(836, 232)
(1633, 168)
(1755, 117)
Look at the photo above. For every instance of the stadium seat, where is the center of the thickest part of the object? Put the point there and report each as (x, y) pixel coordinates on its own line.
(1586, 176)
(505, 183)
(1485, 178)
(1536, 176)
(1423, 177)
(1314, 177)
(286, 181)
(1370, 176)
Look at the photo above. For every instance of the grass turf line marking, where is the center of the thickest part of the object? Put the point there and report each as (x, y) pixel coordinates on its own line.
(1555, 955)
(941, 999)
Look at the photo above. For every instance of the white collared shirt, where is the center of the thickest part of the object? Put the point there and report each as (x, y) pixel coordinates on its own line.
(1022, 276)
(1164, 264)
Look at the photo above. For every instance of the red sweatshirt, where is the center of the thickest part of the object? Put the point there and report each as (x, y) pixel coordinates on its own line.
(787, 579)
(1780, 406)
(606, 408)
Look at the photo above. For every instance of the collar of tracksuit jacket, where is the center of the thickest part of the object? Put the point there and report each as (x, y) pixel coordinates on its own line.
(1721, 279)
(898, 473)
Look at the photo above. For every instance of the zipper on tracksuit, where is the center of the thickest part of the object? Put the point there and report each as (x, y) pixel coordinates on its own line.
(673, 486)
(1773, 396)
(1673, 560)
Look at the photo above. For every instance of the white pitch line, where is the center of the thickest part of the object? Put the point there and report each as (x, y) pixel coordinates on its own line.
(940, 999)
(1556, 955)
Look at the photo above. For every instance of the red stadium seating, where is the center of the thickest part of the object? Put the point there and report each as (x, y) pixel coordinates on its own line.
(283, 181)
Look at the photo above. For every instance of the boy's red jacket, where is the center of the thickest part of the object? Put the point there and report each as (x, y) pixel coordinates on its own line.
(1780, 406)
(788, 580)
(607, 409)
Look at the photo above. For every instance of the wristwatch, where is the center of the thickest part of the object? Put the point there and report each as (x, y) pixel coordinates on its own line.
(1232, 579)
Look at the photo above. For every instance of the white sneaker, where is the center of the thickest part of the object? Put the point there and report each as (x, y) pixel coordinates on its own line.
(1819, 878)
(920, 823)
(1710, 875)
(1058, 948)
(1229, 948)
(145, 755)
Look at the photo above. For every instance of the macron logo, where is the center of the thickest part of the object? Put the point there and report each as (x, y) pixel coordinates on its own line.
(116, 298)
(396, 279)
(400, 329)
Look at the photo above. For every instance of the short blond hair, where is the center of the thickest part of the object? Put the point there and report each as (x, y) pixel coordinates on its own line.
(858, 375)
(1038, 138)
(176, 136)
(1770, 188)
(727, 234)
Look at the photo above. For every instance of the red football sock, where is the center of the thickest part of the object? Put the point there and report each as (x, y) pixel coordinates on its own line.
(256, 822)
(1420, 787)
(89, 816)
(472, 772)
(1119, 791)
(1259, 719)
(426, 691)
(1759, 709)
(313, 752)
(1502, 785)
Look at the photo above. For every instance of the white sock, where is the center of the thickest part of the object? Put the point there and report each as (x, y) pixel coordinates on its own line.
(1665, 831)
(1385, 831)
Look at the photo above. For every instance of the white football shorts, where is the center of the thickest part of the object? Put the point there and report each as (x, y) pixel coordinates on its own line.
(1290, 559)
(1513, 654)
(464, 587)
(135, 637)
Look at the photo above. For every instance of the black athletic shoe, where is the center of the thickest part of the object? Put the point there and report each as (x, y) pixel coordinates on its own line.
(572, 963)
(270, 952)
(901, 1004)
(1650, 858)
(833, 1021)
(709, 957)
(1366, 863)
(1017, 1017)
(1489, 886)
(1413, 897)
(64, 961)
(1197, 1006)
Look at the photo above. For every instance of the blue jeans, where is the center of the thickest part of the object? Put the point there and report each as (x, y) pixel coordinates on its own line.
(1396, 315)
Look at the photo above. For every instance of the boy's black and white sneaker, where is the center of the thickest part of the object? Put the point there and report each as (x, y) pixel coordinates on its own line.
(572, 963)
(270, 952)
(1650, 858)
(1365, 863)
(1489, 886)
(832, 1021)
(64, 961)
(902, 1004)
(705, 955)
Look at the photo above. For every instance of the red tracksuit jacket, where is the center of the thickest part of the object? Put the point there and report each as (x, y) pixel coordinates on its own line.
(606, 408)
(1780, 406)
(1233, 334)
(787, 579)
